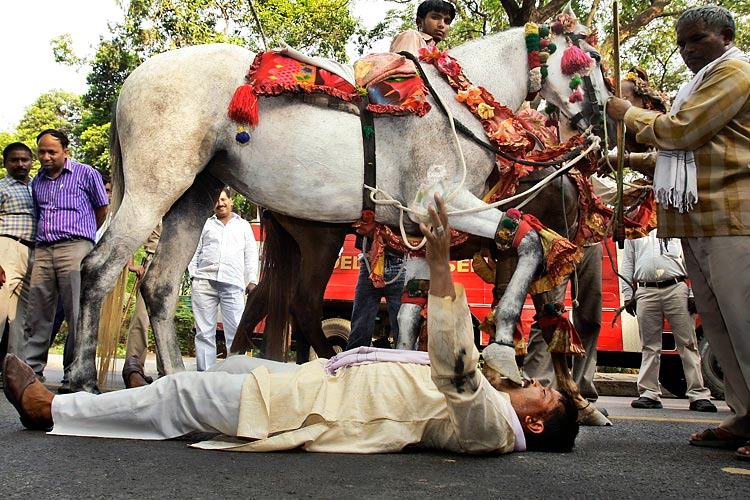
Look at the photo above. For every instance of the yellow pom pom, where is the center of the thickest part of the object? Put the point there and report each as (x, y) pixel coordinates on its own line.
(530, 29)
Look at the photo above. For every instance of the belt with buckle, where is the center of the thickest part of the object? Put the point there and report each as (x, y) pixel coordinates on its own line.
(22, 241)
(663, 283)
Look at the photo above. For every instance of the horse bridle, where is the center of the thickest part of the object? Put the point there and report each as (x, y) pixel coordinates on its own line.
(464, 130)
(592, 111)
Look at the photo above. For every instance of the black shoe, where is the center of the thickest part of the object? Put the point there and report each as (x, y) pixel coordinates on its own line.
(703, 405)
(645, 403)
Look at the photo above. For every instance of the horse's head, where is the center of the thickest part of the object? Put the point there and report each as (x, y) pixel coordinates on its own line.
(575, 82)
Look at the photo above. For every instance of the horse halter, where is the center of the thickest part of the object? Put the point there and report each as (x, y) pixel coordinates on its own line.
(593, 110)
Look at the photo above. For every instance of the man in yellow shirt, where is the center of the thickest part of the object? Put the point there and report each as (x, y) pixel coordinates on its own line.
(436, 400)
(702, 185)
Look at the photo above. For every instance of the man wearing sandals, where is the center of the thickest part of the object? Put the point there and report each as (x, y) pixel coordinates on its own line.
(702, 184)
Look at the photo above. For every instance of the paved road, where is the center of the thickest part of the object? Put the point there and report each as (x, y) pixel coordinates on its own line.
(644, 455)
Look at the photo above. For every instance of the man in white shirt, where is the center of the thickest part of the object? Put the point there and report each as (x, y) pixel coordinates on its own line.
(441, 401)
(653, 267)
(224, 267)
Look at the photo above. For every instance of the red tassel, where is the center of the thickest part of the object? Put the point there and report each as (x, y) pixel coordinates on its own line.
(243, 108)
(574, 60)
(576, 96)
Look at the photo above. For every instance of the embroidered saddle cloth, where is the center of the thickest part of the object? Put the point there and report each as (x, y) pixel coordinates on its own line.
(390, 88)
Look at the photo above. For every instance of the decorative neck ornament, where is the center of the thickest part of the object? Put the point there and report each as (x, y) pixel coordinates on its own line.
(538, 48)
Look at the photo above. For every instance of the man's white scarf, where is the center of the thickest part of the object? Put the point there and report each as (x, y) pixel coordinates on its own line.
(675, 177)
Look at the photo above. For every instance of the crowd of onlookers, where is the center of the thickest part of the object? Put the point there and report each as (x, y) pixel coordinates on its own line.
(49, 224)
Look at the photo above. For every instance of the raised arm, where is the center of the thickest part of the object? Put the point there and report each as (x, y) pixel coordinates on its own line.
(478, 412)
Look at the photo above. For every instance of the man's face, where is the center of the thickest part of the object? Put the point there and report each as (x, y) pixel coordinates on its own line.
(18, 164)
(699, 45)
(108, 189)
(51, 152)
(223, 206)
(435, 24)
(627, 88)
(534, 400)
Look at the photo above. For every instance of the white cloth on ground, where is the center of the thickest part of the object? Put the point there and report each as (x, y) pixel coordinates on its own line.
(365, 355)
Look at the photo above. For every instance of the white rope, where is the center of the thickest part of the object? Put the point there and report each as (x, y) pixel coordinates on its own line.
(388, 200)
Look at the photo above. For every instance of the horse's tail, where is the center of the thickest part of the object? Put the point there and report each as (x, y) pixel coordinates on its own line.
(115, 165)
(272, 297)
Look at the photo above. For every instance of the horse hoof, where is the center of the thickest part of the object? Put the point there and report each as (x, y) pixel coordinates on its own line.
(595, 419)
(502, 359)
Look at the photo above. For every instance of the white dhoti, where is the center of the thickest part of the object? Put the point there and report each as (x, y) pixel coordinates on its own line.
(170, 407)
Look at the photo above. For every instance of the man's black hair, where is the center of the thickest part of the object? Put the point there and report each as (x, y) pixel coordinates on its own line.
(106, 178)
(60, 136)
(440, 6)
(560, 428)
(16, 146)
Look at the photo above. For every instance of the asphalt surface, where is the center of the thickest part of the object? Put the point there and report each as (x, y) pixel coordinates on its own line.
(644, 455)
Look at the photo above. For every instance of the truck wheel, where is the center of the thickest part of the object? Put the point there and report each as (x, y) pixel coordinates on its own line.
(672, 376)
(713, 377)
(337, 332)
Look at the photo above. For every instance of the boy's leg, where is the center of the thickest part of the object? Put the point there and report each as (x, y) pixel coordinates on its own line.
(172, 406)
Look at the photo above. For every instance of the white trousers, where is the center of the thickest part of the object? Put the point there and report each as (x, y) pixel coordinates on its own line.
(653, 304)
(207, 296)
(172, 406)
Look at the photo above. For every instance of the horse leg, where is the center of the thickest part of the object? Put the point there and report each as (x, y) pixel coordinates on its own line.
(500, 355)
(410, 315)
(319, 246)
(181, 229)
(138, 214)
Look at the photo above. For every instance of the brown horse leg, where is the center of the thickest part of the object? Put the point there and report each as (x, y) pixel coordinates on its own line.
(273, 295)
(319, 246)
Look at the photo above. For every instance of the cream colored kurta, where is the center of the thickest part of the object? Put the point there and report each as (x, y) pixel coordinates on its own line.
(381, 407)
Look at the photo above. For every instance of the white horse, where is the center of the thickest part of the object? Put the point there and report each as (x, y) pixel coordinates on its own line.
(177, 147)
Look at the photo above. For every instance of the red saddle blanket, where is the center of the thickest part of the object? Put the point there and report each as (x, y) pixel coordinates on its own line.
(273, 74)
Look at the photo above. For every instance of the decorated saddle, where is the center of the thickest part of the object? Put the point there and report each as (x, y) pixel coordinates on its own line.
(386, 81)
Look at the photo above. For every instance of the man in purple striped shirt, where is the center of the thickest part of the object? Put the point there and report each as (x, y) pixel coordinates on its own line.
(70, 203)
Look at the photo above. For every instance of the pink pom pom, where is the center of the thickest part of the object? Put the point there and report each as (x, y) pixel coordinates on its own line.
(514, 213)
(574, 60)
(576, 96)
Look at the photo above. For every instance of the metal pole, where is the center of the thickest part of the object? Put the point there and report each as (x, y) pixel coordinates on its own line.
(619, 234)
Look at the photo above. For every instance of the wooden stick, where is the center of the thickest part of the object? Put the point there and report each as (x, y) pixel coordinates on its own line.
(619, 235)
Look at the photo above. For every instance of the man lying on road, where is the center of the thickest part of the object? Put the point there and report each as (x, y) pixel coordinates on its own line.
(440, 400)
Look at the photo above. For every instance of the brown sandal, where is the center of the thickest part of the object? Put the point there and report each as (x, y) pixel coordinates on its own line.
(717, 437)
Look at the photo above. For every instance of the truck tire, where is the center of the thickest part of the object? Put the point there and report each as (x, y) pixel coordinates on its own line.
(713, 377)
(672, 376)
(337, 332)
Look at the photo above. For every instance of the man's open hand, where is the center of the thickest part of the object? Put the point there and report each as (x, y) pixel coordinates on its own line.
(438, 250)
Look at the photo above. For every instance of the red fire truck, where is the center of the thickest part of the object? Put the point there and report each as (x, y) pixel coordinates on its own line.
(619, 344)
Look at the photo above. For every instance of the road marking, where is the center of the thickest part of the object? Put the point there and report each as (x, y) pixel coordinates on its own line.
(667, 419)
(736, 470)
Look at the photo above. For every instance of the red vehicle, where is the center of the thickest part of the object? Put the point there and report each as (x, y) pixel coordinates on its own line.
(619, 343)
